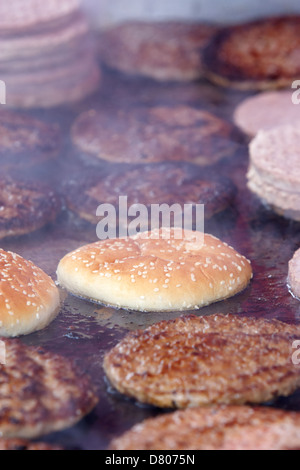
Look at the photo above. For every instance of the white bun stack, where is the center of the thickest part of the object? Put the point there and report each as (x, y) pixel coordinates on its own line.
(274, 170)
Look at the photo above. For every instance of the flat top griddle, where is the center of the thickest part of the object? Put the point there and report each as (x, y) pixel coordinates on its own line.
(84, 331)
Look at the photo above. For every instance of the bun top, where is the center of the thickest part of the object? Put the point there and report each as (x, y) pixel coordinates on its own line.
(29, 299)
(154, 271)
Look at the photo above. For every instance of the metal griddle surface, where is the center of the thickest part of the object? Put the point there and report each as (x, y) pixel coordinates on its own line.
(84, 331)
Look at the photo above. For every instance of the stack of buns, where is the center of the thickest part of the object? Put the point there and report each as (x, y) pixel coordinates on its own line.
(274, 173)
(46, 54)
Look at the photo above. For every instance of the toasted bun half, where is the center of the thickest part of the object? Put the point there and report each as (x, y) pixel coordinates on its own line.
(162, 270)
(29, 299)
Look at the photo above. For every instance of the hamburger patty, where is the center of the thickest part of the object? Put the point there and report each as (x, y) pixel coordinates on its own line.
(26, 141)
(149, 135)
(216, 428)
(163, 51)
(20, 444)
(193, 361)
(25, 206)
(40, 392)
(258, 55)
(164, 183)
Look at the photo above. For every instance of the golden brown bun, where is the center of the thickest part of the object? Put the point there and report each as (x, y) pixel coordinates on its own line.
(151, 273)
(29, 299)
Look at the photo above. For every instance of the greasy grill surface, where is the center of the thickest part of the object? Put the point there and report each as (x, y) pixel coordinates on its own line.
(86, 332)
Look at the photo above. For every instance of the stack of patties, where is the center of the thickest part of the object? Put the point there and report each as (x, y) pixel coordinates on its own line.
(46, 53)
(274, 173)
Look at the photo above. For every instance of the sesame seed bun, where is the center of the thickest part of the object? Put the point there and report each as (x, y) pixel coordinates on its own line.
(155, 271)
(29, 299)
